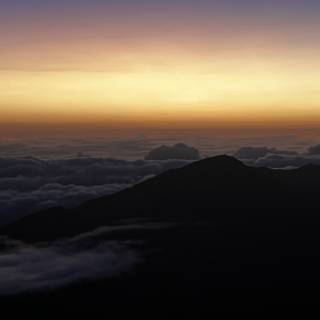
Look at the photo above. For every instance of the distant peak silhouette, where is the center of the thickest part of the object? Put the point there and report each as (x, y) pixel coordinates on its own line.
(218, 163)
(223, 160)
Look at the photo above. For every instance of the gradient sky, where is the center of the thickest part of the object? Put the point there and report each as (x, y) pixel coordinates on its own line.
(159, 64)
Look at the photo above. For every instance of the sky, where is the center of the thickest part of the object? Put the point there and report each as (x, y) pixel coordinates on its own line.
(78, 66)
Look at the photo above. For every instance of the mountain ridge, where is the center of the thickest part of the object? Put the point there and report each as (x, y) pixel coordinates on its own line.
(204, 189)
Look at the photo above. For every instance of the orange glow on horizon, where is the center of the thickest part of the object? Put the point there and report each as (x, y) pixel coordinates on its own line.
(238, 93)
(118, 74)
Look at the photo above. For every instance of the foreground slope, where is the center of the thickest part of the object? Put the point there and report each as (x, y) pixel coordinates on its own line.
(238, 239)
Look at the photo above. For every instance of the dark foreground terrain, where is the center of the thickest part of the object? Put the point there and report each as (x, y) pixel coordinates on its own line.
(213, 236)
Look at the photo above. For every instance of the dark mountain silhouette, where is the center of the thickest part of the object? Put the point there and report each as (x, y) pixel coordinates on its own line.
(243, 239)
(215, 188)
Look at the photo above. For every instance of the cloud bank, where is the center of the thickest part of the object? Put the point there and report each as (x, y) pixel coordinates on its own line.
(315, 150)
(86, 257)
(283, 162)
(37, 268)
(30, 184)
(67, 172)
(278, 158)
(255, 153)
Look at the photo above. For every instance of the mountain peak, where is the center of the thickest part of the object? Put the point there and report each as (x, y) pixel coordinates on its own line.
(222, 162)
(225, 159)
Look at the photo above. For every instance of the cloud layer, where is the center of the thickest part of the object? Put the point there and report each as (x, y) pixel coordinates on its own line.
(315, 149)
(36, 268)
(255, 153)
(31, 268)
(86, 257)
(67, 172)
(30, 184)
(276, 158)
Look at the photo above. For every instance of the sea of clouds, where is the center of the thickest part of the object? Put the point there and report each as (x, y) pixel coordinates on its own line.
(44, 173)
(29, 184)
